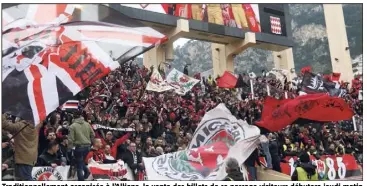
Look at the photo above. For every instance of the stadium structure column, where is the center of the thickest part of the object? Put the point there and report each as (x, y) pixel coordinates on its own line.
(283, 59)
(223, 55)
(164, 52)
(219, 59)
(338, 41)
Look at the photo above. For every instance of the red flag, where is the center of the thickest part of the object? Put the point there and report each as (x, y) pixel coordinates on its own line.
(228, 80)
(270, 104)
(318, 107)
(306, 69)
(335, 76)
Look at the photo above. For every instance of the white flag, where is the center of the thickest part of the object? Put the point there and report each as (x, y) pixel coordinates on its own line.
(219, 136)
(279, 74)
(181, 82)
(157, 83)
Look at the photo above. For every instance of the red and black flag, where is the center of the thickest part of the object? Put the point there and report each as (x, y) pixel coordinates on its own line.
(317, 107)
(50, 56)
(313, 83)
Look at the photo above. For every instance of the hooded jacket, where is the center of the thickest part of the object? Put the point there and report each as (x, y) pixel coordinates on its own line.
(235, 175)
(81, 133)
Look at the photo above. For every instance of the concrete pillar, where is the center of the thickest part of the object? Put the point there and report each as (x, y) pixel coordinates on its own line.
(284, 60)
(154, 57)
(338, 41)
(223, 55)
(219, 59)
(164, 52)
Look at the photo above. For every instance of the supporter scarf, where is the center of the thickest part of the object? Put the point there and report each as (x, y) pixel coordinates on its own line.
(98, 126)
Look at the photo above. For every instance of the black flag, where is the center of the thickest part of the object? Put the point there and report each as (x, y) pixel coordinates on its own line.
(240, 83)
(313, 83)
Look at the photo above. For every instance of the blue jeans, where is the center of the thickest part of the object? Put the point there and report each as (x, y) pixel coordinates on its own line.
(265, 147)
(80, 154)
(252, 172)
(23, 172)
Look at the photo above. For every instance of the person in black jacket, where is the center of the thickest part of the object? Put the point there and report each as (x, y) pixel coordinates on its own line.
(233, 171)
(63, 152)
(50, 157)
(133, 159)
(274, 152)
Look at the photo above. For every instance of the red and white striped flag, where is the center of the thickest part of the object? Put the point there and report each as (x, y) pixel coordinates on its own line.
(70, 105)
(50, 59)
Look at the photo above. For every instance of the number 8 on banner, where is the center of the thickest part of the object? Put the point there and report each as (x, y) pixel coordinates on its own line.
(331, 173)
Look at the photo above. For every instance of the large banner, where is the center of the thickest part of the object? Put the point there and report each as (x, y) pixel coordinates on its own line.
(50, 56)
(244, 16)
(329, 167)
(219, 136)
(59, 173)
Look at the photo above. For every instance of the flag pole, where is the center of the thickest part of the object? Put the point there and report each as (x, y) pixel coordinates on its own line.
(252, 89)
(354, 123)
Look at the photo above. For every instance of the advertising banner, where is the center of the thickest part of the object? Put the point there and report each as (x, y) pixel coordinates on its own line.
(245, 16)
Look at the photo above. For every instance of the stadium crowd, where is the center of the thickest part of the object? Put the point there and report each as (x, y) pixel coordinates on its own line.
(164, 123)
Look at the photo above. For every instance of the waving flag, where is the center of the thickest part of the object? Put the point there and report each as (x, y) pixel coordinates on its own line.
(278, 74)
(227, 80)
(180, 82)
(157, 83)
(317, 107)
(47, 60)
(219, 136)
(313, 83)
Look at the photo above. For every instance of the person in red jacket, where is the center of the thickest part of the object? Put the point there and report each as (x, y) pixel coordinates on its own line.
(96, 153)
